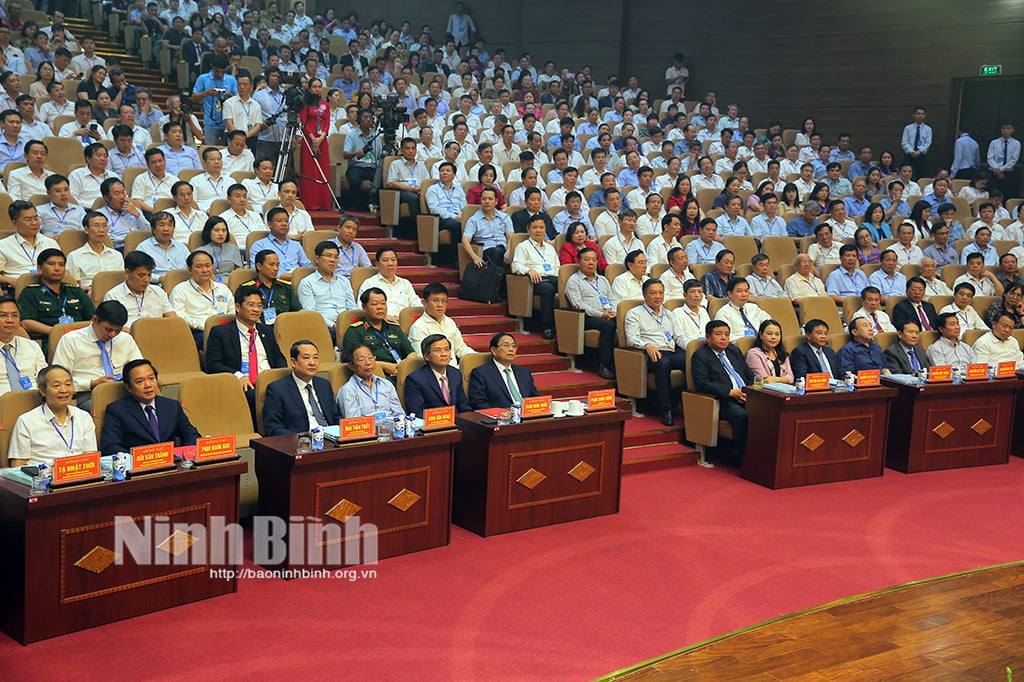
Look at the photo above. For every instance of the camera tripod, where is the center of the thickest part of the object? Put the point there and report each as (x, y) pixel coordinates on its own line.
(284, 158)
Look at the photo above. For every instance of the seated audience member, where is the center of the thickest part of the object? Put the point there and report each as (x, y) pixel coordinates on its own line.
(179, 156)
(940, 249)
(985, 283)
(439, 382)
(803, 283)
(962, 306)
(237, 156)
(144, 417)
(387, 340)
(888, 279)
(94, 256)
(262, 188)
(719, 369)
(58, 214)
(97, 353)
(446, 199)
(847, 279)
(573, 213)
(590, 292)
(278, 295)
(187, 218)
(85, 182)
(54, 429)
(289, 252)
(871, 304)
(406, 175)
(907, 356)
(18, 251)
(659, 247)
(655, 330)
(716, 282)
(399, 290)
(982, 246)
(200, 296)
(949, 349)
(768, 359)
(211, 184)
(500, 383)
(628, 285)
(28, 180)
(691, 317)
(241, 219)
(166, 253)
(123, 215)
(705, 249)
(299, 220)
(824, 250)
(815, 355)
(624, 241)
(861, 352)
(532, 207)
(22, 359)
(87, 131)
(325, 291)
(536, 258)
(915, 308)
(743, 317)
(137, 294)
(490, 228)
(365, 393)
(648, 222)
(999, 345)
(677, 274)
(933, 285)
(52, 301)
(1010, 303)
(1008, 272)
(155, 183)
(576, 239)
(300, 401)
(216, 242)
(434, 321)
(351, 254)
(246, 347)
(732, 223)
(907, 252)
(803, 225)
(762, 283)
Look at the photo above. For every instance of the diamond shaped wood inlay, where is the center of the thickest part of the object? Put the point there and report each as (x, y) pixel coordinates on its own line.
(813, 442)
(531, 479)
(854, 438)
(404, 500)
(343, 510)
(98, 559)
(981, 427)
(177, 543)
(581, 471)
(943, 430)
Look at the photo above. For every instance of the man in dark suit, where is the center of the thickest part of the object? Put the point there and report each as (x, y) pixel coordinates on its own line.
(719, 369)
(301, 400)
(260, 48)
(521, 218)
(907, 356)
(814, 356)
(915, 308)
(353, 59)
(224, 350)
(497, 383)
(144, 417)
(327, 58)
(427, 387)
(192, 53)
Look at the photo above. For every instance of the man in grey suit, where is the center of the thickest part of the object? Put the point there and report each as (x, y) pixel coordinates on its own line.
(907, 356)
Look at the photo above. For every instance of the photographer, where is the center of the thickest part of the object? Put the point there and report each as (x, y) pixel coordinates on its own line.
(271, 101)
(212, 89)
(363, 154)
(181, 112)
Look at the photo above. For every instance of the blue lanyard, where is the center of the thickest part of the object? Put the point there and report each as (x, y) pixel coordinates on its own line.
(657, 318)
(695, 320)
(217, 260)
(139, 300)
(188, 223)
(32, 258)
(213, 296)
(270, 295)
(70, 444)
(60, 218)
(215, 186)
(284, 252)
(593, 285)
(351, 256)
(376, 391)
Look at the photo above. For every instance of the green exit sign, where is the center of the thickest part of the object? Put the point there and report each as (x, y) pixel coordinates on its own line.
(992, 70)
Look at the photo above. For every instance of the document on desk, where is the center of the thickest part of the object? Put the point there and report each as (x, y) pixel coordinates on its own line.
(778, 387)
(908, 379)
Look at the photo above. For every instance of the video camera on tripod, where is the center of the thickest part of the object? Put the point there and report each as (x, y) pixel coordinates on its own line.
(390, 114)
(294, 100)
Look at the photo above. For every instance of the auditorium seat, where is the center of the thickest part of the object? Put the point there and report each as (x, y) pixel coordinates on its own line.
(134, 238)
(744, 248)
(632, 378)
(63, 153)
(822, 308)
(358, 276)
(60, 329)
(102, 395)
(781, 310)
(265, 378)
(405, 368)
(211, 322)
(251, 239)
(314, 237)
(168, 343)
(700, 412)
(407, 317)
(173, 278)
(13, 404)
(470, 362)
(238, 276)
(299, 274)
(102, 282)
(306, 324)
(780, 250)
(851, 304)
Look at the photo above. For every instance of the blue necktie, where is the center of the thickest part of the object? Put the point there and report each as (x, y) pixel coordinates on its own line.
(746, 320)
(108, 367)
(318, 414)
(732, 372)
(917, 138)
(154, 426)
(824, 361)
(13, 375)
(913, 360)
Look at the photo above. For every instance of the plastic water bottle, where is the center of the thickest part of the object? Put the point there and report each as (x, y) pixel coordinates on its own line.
(410, 425)
(801, 386)
(41, 481)
(120, 468)
(318, 438)
(851, 382)
(399, 428)
(957, 376)
(922, 378)
(517, 413)
(991, 372)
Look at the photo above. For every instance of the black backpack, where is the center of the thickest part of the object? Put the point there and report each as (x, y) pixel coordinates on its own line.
(482, 285)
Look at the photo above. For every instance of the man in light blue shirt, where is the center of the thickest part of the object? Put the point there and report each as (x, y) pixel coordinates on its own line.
(803, 225)
(982, 237)
(842, 152)
(917, 139)
(271, 101)
(902, 207)
(289, 252)
(572, 213)
(857, 204)
(861, 166)
(326, 291)
(365, 393)
(489, 228)
(11, 148)
(847, 279)
(704, 250)
(211, 89)
(123, 216)
(837, 184)
(165, 252)
(731, 223)
(351, 254)
(178, 154)
(966, 154)
(888, 279)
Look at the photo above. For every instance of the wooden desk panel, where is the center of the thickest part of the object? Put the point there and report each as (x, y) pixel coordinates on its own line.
(815, 438)
(58, 564)
(538, 473)
(402, 487)
(946, 426)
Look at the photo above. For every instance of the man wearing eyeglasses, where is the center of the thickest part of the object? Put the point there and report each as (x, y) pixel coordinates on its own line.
(500, 383)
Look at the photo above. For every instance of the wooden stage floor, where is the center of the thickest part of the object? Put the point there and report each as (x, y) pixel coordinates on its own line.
(967, 626)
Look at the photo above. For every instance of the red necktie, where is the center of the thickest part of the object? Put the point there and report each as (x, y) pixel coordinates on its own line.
(254, 368)
(878, 327)
(924, 319)
(444, 388)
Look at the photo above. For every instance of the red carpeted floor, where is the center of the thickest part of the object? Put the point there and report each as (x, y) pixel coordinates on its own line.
(693, 553)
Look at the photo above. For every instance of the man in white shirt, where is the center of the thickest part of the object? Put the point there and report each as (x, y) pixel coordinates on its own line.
(692, 317)
(762, 283)
(907, 252)
(97, 353)
(243, 113)
(999, 345)
(32, 127)
(140, 136)
(916, 141)
(58, 214)
(18, 252)
(624, 241)
(210, 185)
(22, 359)
(55, 429)
(95, 256)
(84, 183)
(25, 182)
(842, 226)
(950, 349)
(237, 156)
(407, 175)
(155, 183)
(871, 303)
(399, 291)
(743, 317)
(803, 283)
(435, 320)
(654, 330)
(261, 188)
(537, 259)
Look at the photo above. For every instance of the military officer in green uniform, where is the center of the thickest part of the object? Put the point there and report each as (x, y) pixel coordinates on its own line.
(278, 295)
(51, 301)
(387, 341)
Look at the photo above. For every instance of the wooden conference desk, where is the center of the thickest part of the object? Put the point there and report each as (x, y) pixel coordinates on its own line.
(819, 437)
(56, 550)
(946, 426)
(537, 473)
(403, 487)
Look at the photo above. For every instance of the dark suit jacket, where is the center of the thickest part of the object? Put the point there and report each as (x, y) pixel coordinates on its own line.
(346, 60)
(254, 51)
(487, 388)
(192, 53)
(423, 392)
(710, 377)
(803, 361)
(126, 426)
(905, 310)
(328, 59)
(898, 363)
(284, 411)
(224, 354)
(520, 218)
